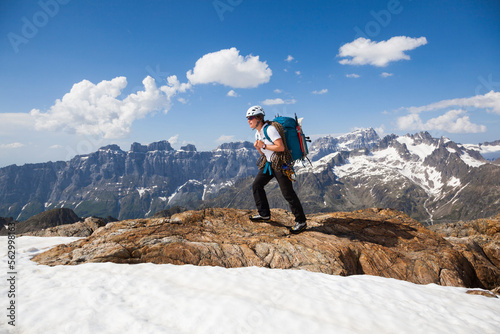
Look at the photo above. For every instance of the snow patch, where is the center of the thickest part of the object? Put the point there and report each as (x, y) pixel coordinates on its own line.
(99, 298)
(142, 191)
(317, 166)
(470, 161)
(454, 182)
(422, 150)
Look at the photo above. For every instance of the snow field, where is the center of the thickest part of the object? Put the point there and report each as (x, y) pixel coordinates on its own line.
(149, 298)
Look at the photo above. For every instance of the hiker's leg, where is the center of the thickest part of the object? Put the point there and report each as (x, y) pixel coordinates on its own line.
(290, 196)
(259, 194)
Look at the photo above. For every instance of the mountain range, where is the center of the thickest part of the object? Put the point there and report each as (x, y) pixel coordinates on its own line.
(431, 179)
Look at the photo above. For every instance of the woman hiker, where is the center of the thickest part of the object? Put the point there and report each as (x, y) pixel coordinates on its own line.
(255, 117)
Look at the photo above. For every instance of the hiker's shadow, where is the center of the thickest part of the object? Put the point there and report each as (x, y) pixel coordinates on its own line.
(384, 233)
(275, 223)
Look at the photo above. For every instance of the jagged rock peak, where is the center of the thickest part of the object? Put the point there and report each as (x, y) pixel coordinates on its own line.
(366, 132)
(188, 148)
(235, 146)
(353, 140)
(156, 146)
(160, 146)
(491, 143)
(421, 137)
(357, 139)
(112, 147)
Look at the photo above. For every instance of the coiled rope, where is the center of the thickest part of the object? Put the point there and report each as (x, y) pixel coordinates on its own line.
(279, 160)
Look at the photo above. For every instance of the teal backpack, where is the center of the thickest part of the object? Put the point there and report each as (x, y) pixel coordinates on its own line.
(296, 141)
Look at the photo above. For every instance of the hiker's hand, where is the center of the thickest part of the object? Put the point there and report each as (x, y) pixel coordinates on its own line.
(259, 144)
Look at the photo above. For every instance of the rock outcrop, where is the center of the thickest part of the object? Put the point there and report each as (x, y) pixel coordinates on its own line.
(479, 242)
(46, 219)
(79, 229)
(379, 242)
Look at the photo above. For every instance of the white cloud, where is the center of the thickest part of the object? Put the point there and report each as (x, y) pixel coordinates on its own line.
(182, 100)
(386, 75)
(278, 91)
(489, 101)
(173, 140)
(454, 121)
(270, 102)
(352, 75)
(364, 51)
(232, 93)
(380, 130)
(319, 92)
(297, 72)
(229, 68)
(289, 58)
(91, 109)
(225, 139)
(12, 146)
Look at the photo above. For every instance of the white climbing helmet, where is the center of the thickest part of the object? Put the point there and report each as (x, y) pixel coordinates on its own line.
(255, 110)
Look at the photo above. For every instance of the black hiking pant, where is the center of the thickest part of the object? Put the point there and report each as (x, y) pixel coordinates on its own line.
(286, 187)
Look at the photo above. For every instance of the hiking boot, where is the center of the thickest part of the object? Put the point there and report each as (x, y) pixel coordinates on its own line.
(299, 227)
(259, 218)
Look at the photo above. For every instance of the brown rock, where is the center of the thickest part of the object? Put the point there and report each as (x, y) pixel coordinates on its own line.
(481, 293)
(379, 242)
(78, 229)
(479, 242)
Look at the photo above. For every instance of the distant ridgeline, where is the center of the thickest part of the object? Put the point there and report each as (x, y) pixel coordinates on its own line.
(432, 180)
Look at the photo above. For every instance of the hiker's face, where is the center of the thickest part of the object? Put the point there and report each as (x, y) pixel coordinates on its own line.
(252, 121)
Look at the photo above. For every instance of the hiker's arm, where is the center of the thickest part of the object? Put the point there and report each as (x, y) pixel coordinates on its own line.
(277, 146)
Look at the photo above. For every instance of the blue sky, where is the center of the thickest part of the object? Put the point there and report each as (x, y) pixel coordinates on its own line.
(77, 75)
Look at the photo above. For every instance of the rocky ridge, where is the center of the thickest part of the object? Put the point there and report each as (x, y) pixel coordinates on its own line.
(379, 242)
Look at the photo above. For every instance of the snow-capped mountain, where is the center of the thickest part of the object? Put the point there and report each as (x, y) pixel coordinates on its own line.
(430, 179)
(124, 184)
(490, 151)
(361, 138)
